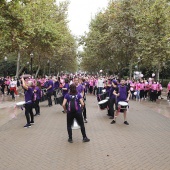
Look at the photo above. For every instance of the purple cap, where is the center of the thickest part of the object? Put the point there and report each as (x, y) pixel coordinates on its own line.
(114, 81)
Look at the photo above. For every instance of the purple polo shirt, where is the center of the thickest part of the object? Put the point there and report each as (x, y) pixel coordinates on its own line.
(38, 93)
(68, 98)
(80, 88)
(29, 95)
(50, 82)
(112, 89)
(123, 91)
(67, 87)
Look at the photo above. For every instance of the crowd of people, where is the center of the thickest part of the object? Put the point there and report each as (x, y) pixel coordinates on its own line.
(74, 89)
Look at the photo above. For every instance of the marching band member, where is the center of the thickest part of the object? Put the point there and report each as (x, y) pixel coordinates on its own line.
(74, 112)
(28, 102)
(123, 95)
(112, 99)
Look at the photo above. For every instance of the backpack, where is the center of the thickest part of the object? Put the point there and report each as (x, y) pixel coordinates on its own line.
(73, 103)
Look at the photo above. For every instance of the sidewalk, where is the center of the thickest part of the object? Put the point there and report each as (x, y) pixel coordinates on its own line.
(143, 145)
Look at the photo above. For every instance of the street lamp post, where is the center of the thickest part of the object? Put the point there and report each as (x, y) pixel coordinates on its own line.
(138, 63)
(28, 67)
(5, 59)
(31, 55)
(48, 62)
(119, 69)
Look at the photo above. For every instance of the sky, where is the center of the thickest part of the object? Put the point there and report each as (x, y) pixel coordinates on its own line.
(80, 13)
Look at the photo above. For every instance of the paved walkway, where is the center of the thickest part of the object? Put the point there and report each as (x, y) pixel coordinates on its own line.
(143, 145)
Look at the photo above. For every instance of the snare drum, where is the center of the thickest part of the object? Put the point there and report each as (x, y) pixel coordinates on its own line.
(107, 98)
(20, 104)
(122, 106)
(104, 91)
(103, 104)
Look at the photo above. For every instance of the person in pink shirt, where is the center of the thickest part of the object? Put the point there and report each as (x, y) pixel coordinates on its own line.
(132, 89)
(146, 89)
(91, 85)
(153, 95)
(159, 90)
(168, 92)
(142, 86)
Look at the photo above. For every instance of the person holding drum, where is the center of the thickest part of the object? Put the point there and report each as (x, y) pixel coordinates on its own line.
(28, 102)
(122, 100)
(112, 98)
(74, 111)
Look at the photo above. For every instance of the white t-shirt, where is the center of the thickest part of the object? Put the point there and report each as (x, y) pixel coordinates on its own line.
(100, 83)
(13, 83)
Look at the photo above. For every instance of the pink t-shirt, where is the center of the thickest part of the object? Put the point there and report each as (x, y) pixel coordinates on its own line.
(142, 85)
(159, 87)
(154, 86)
(132, 86)
(147, 86)
(137, 86)
(91, 82)
(168, 86)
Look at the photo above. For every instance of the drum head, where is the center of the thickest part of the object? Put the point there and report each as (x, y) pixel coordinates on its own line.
(102, 102)
(123, 103)
(20, 103)
(104, 90)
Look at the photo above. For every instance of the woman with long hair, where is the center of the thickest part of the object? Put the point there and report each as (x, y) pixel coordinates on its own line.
(74, 111)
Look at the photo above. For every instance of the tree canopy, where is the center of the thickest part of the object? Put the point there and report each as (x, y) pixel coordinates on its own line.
(128, 33)
(39, 27)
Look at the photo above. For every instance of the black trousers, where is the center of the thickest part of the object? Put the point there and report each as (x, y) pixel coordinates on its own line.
(141, 94)
(91, 89)
(37, 107)
(12, 94)
(49, 94)
(29, 113)
(111, 105)
(153, 95)
(2, 88)
(146, 93)
(79, 118)
(168, 96)
(133, 96)
(84, 112)
(8, 89)
(95, 90)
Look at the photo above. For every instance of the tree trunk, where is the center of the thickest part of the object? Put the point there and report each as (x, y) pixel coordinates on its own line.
(20, 71)
(37, 71)
(158, 71)
(130, 71)
(18, 65)
(44, 70)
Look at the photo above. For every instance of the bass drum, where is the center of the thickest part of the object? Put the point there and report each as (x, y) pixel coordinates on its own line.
(103, 104)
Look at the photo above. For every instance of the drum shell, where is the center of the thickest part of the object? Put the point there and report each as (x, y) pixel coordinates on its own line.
(103, 105)
(123, 108)
(101, 97)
